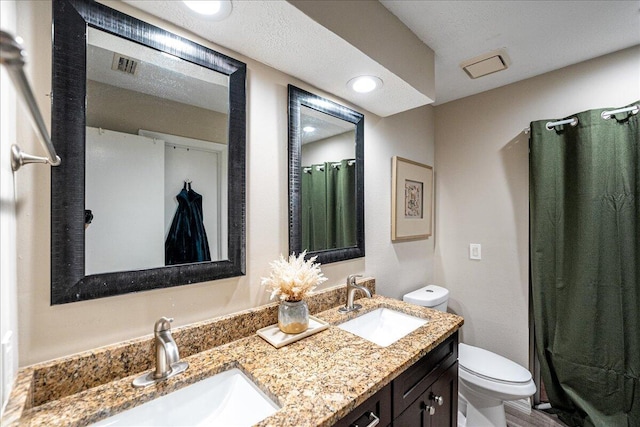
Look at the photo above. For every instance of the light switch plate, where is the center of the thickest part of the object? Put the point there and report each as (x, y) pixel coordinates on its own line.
(475, 251)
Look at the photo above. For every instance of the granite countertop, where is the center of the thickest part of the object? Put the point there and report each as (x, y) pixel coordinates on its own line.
(316, 380)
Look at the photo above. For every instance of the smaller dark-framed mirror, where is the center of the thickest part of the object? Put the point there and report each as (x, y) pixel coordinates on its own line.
(191, 137)
(326, 178)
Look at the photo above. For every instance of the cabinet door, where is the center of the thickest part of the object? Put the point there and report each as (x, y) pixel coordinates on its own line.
(443, 396)
(413, 382)
(379, 405)
(437, 406)
(416, 414)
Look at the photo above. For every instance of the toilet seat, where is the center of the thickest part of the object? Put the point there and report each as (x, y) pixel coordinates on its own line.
(491, 366)
(496, 375)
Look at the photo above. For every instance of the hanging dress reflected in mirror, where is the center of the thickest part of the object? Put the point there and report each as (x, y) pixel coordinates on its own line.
(187, 239)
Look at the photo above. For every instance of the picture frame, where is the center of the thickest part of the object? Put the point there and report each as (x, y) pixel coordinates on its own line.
(411, 200)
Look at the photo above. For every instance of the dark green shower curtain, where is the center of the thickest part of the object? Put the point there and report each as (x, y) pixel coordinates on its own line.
(585, 266)
(328, 206)
(314, 212)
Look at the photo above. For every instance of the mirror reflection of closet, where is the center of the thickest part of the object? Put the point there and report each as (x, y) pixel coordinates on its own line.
(154, 123)
(137, 114)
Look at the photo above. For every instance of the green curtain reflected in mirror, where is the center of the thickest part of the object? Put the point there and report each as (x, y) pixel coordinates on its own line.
(329, 205)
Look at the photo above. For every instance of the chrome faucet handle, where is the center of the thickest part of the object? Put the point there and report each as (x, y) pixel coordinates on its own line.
(351, 279)
(163, 324)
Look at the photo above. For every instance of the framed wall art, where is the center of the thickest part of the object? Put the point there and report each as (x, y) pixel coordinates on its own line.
(411, 200)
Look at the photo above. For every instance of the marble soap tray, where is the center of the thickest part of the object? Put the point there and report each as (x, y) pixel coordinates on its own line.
(274, 336)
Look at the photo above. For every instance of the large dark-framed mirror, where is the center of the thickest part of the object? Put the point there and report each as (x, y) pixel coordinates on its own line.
(199, 90)
(326, 178)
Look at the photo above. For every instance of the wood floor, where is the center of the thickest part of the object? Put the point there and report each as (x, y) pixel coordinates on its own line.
(516, 418)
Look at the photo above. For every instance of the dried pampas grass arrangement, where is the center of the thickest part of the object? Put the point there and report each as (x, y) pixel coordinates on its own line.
(293, 279)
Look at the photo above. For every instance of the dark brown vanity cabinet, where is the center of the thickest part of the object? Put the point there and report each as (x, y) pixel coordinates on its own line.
(437, 406)
(377, 406)
(424, 395)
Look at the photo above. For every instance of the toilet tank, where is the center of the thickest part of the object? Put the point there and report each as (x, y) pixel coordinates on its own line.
(431, 296)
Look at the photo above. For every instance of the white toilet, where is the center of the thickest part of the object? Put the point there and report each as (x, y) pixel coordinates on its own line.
(485, 379)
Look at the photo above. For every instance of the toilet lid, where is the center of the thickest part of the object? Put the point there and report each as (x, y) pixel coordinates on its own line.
(491, 366)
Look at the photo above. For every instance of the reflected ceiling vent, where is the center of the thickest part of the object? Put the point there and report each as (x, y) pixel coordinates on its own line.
(124, 63)
(488, 63)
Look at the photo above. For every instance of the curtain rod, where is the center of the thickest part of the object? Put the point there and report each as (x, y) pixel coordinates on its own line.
(608, 114)
(307, 169)
(13, 57)
(573, 121)
(605, 115)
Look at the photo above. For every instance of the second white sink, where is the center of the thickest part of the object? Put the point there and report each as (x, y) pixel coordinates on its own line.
(226, 399)
(383, 326)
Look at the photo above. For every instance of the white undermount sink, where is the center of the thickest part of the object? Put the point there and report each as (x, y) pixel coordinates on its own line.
(383, 326)
(226, 399)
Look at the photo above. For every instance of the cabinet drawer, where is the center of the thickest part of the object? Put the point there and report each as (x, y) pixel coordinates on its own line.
(379, 404)
(413, 382)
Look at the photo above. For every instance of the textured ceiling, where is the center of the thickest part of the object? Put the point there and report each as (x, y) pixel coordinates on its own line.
(157, 74)
(539, 36)
(325, 126)
(281, 36)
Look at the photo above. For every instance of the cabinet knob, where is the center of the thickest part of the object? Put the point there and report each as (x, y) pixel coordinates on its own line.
(439, 400)
(428, 408)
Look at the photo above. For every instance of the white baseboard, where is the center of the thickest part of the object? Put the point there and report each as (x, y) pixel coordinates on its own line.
(522, 405)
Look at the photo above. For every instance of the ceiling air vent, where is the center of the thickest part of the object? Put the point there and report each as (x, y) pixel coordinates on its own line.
(124, 63)
(488, 63)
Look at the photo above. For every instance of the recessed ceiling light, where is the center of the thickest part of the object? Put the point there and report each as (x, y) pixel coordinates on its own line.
(214, 9)
(308, 129)
(364, 84)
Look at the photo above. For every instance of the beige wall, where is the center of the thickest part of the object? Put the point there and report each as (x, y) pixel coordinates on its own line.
(50, 331)
(482, 190)
(8, 280)
(149, 112)
(347, 19)
(332, 149)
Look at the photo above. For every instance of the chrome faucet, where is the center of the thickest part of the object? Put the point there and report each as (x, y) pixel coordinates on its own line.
(351, 291)
(166, 348)
(168, 361)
